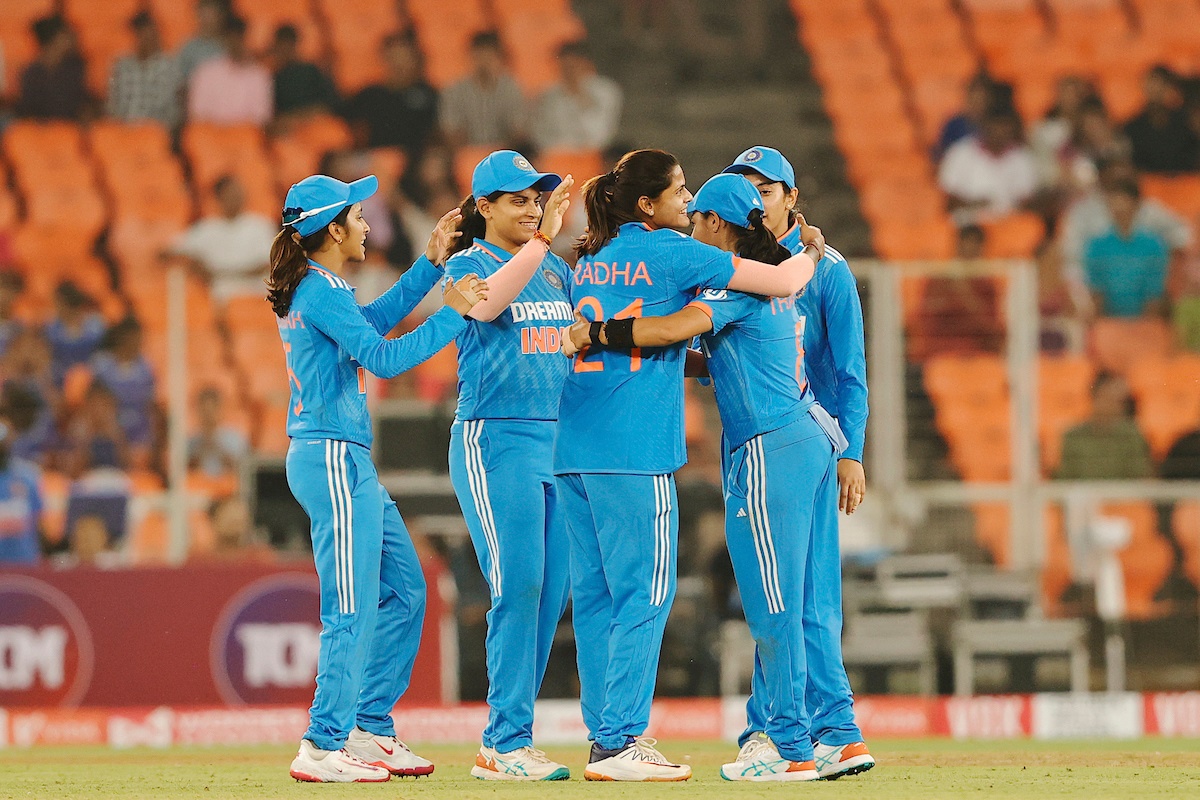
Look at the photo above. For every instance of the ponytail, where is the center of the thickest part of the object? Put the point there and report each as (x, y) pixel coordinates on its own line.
(289, 262)
(757, 242)
(611, 200)
(473, 225)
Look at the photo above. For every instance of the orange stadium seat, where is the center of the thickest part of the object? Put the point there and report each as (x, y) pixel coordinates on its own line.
(902, 240)
(1146, 561)
(832, 18)
(1117, 344)
(1081, 20)
(298, 153)
(920, 200)
(980, 440)
(534, 61)
(1172, 24)
(1014, 236)
(966, 380)
(1168, 399)
(992, 534)
(356, 58)
(16, 39)
(240, 150)
(176, 21)
(436, 378)
(1185, 522)
(264, 16)
(1064, 400)
(1056, 566)
(1180, 192)
(465, 159)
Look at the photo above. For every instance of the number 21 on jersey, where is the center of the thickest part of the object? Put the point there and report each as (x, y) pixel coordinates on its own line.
(633, 310)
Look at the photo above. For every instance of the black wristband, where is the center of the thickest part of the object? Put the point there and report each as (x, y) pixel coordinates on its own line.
(594, 332)
(619, 333)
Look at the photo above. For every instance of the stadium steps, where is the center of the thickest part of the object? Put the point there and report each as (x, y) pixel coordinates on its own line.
(708, 108)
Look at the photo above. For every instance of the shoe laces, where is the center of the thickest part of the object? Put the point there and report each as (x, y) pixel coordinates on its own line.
(530, 753)
(645, 746)
(354, 760)
(753, 748)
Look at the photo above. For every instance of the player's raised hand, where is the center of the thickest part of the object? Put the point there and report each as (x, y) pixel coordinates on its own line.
(444, 234)
(463, 294)
(852, 484)
(577, 336)
(556, 206)
(811, 234)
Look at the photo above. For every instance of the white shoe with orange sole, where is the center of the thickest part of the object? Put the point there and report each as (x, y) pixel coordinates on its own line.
(314, 765)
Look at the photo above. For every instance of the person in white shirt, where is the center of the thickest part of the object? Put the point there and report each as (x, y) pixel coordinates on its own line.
(991, 174)
(231, 249)
(583, 110)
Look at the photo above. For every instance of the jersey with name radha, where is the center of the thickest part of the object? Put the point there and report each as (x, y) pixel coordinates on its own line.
(755, 355)
(511, 367)
(622, 411)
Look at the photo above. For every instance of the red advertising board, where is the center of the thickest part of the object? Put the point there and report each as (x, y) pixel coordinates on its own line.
(196, 636)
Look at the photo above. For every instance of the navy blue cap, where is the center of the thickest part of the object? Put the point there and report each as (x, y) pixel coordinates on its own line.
(732, 197)
(509, 171)
(766, 161)
(312, 203)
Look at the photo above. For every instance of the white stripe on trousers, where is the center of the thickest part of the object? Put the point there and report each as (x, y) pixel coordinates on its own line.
(343, 523)
(662, 540)
(477, 480)
(760, 524)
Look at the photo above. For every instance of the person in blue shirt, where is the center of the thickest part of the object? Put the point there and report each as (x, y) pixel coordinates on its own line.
(372, 588)
(1126, 266)
(20, 506)
(620, 438)
(836, 364)
(510, 376)
(778, 452)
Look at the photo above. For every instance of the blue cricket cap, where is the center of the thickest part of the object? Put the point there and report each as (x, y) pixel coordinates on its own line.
(509, 171)
(732, 197)
(766, 161)
(312, 203)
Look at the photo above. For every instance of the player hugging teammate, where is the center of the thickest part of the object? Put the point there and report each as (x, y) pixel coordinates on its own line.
(560, 462)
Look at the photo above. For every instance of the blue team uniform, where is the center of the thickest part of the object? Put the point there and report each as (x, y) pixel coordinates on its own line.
(20, 509)
(619, 439)
(510, 377)
(372, 588)
(781, 473)
(835, 364)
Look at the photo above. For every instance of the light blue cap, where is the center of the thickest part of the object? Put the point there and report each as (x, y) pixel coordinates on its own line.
(312, 203)
(509, 171)
(731, 197)
(766, 161)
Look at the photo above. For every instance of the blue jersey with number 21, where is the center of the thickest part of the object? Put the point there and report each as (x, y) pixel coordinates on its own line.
(622, 411)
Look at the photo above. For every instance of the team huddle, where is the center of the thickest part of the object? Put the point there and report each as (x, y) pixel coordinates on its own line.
(563, 466)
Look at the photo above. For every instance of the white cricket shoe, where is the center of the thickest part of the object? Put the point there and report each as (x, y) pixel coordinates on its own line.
(333, 766)
(637, 761)
(387, 752)
(834, 761)
(522, 764)
(760, 761)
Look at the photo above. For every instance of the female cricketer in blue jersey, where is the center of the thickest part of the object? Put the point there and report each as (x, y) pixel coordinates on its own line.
(835, 358)
(779, 458)
(620, 438)
(510, 377)
(372, 589)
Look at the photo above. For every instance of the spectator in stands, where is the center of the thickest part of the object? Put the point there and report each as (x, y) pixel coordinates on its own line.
(1059, 302)
(75, 332)
(300, 87)
(1090, 217)
(428, 189)
(402, 111)
(216, 448)
(206, 44)
(486, 107)
(11, 286)
(28, 363)
(20, 506)
(232, 88)
(94, 436)
(1125, 267)
(1051, 139)
(1182, 462)
(125, 373)
(230, 249)
(1097, 140)
(583, 110)
(31, 420)
(958, 315)
(53, 86)
(1162, 141)
(991, 174)
(980, 97)
(146, 84)
(1108, 445)
(235, 540)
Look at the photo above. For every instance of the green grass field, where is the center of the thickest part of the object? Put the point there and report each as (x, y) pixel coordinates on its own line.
(908, 770)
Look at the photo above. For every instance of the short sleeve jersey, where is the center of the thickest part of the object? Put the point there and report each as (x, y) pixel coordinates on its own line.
(511, 367)
(622, 411)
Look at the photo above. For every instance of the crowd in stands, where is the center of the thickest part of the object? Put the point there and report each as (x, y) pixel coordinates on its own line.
(82, 381)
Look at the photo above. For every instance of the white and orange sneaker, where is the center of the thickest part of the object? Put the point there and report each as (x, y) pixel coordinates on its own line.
(333, 766)
(834, 761)
(760, 761)
(522, 764)
(636, 761)
(387, 752)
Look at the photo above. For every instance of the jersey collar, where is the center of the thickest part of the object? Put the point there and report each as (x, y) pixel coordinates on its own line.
(492, 250)
(791, 238)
